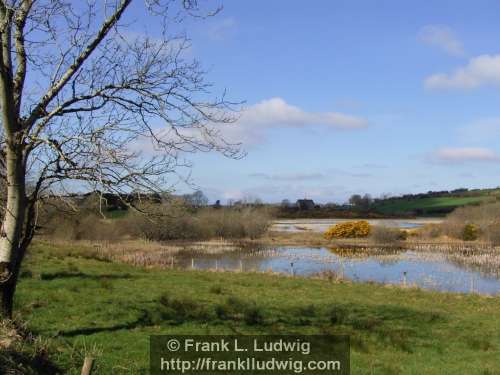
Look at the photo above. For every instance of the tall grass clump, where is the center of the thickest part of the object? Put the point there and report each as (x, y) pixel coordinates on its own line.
(430, 231)
(382, 234)
(21, 352)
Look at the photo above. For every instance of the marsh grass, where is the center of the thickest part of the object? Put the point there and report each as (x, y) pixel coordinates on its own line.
(22, 352)
(381, 234)
(391, 329)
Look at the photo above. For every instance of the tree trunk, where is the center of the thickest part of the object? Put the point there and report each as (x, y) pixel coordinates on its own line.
(11, 248)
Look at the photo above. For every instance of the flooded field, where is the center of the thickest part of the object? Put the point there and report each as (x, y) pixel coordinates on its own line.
(321, 225)
(478, 273)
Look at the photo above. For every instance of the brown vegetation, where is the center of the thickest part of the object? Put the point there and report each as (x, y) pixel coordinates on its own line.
(164, 222)
(474, 222)
(381, 234)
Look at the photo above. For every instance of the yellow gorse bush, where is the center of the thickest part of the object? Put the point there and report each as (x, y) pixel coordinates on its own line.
(349, 229)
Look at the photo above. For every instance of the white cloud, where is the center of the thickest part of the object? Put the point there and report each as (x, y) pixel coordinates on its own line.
(250, 128)
(276, 113)
(442, 37)
(480, 71)
(465, 154)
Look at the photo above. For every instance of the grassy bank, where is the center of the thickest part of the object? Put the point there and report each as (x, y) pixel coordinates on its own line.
(426, 206)
(110, 309)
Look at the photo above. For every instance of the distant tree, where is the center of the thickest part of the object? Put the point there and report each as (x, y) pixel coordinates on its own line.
(362, 202)
(285, 203)
(366, 201)
(258, 202)
(196, 199)
(355, 200)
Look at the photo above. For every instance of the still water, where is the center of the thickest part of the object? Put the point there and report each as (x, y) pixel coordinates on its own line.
(321, 225)
(436, 271)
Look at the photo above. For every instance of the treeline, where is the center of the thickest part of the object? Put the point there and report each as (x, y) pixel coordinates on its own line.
(456, 193)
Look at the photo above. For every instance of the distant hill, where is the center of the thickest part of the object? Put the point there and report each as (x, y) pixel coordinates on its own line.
(433, 203)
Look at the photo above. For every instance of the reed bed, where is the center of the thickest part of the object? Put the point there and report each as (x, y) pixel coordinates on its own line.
(477, 257)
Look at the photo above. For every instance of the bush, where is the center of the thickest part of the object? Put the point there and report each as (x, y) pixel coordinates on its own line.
(81, 226)
(349, 229)
(233, 223)
(161, 221)
(174, 221)
(156, 221)
(470, 232)
(385, 235)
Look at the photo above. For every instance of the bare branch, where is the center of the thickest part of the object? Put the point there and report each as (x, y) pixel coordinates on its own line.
(73, 68)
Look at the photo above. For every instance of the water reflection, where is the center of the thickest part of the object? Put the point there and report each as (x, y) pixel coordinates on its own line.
(429, 270)
(321, 225)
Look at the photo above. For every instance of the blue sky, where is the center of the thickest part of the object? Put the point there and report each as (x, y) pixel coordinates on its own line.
(345, 97)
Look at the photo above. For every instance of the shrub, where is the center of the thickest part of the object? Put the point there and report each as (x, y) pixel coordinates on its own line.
(233, 223)
(386, 235)
(174, 221)
(470, 232)
(162, 222)
(81, 226)
(171, 219)
(349, 229)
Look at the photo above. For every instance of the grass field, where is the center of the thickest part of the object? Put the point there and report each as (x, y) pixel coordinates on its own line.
(111, 309)
(427, 204)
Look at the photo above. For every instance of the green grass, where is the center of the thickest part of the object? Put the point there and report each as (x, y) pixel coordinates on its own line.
(113, 308)
(427, 204)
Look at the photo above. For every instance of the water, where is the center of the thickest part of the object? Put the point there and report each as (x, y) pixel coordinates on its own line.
(433, 271)
(321, 225)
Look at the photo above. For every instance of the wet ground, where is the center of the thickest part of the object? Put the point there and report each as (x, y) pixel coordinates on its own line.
(429, 270)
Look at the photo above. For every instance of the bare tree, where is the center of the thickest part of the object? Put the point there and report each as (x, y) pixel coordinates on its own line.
(196, 199)
(81, 96)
